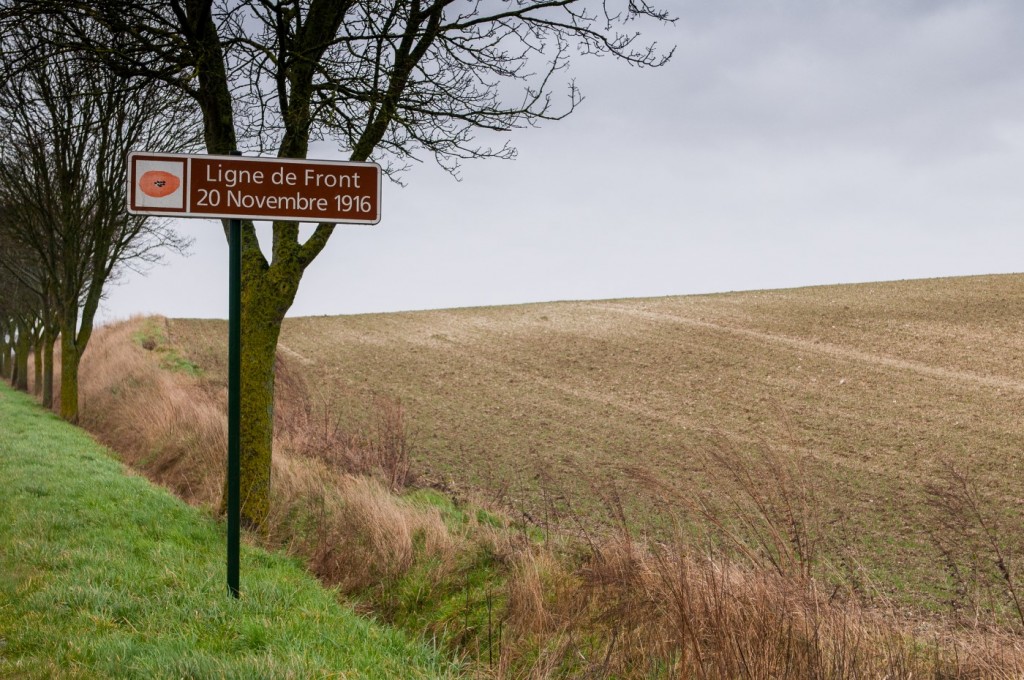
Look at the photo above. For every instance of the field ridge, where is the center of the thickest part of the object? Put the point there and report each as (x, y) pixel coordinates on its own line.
(831, 350)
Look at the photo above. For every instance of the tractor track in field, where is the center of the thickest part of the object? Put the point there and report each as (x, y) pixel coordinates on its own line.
(592, 394)
(830, 350)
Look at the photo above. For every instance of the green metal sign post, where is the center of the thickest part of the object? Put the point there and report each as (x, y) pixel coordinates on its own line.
(234, 188)
(234, 397)
(234, 402)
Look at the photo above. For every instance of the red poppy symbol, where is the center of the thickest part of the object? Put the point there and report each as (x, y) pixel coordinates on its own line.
(158, 183)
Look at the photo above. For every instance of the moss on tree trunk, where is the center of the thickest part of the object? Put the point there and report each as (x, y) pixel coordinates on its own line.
(48, 342)
(68, 379)
(259, 342)
(37, 357)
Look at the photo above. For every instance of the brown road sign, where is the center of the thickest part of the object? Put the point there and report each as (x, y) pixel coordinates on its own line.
(241, 187)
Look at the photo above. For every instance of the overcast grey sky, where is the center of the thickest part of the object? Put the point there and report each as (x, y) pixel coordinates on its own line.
(788, 143)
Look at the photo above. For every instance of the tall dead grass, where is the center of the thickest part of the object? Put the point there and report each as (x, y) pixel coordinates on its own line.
(306, 425)
(159, 421)
(332, 499)
(639, 611)
(353, 531)
(608, 607)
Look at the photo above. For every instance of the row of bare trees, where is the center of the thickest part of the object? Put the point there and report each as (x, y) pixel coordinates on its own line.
(66, 126)
(386, 80)
(24, 326)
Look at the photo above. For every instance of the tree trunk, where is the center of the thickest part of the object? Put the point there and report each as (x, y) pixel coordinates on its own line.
(12, 376)
(267, 293)
(259, 343)
(21, 352)
(5, 356)
(68, 376)
(37, 357)
(49, 337)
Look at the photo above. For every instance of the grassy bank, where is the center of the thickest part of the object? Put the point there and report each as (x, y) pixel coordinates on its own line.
(105, 575)
(509, 597)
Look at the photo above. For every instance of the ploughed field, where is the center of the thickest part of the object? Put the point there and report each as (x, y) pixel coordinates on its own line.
(563, 411)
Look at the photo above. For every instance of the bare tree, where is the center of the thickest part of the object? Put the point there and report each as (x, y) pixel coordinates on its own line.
(20, 311)
(21, 271)
(387, 80)
(68, 124)
(5, 347)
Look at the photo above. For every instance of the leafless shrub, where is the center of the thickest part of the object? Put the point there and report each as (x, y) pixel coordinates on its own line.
(390, 443)
(769, 513)
(631, 608)
(306, 423)
(973, 544)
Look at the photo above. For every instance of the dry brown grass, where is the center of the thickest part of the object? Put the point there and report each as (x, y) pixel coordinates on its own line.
(328, 503)
(306, 424)
(352, 530)
(636, 611)
(159, 421)
(609, 606)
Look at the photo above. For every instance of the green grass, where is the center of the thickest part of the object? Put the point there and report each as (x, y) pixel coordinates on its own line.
(460, 607)
(152, 336)
(104, 575)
